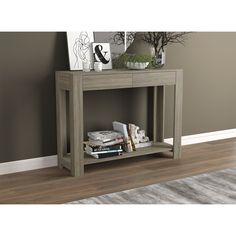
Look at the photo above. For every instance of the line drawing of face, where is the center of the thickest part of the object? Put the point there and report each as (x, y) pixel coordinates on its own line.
(81, 47)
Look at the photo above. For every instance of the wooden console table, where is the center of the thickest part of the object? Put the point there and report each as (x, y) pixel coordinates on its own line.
(75, 82)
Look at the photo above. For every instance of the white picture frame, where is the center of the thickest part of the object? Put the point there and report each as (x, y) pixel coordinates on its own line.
(102, 53)
(80, 49)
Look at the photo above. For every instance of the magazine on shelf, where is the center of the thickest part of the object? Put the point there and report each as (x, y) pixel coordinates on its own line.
(105, 136)
(95, 143)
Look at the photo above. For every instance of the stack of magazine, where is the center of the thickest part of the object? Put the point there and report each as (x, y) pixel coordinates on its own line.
(103, 144)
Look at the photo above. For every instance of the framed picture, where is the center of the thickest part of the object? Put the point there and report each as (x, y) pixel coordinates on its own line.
(117, 46)
(79, 48)
(102, 53)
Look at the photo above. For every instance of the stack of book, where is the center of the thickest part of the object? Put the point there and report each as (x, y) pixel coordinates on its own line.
(104, 144)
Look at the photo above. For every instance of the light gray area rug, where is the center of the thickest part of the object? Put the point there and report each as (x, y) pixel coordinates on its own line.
(211, 188)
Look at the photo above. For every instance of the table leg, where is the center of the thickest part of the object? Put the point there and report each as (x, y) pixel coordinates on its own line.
(61, 122)
(158, 113)
(76, 127)
(178, 114)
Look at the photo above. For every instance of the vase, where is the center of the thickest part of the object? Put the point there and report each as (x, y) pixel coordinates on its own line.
(160, 58)
(137, 65)
(140, 47)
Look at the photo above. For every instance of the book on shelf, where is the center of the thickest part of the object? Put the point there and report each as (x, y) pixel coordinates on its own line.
(121, 127)
(105, 136)
(102, 152)
(106, 155)
(94, 143)
(108, 143)
(103, 148)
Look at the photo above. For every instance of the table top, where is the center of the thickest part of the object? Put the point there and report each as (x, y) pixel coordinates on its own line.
(116, 79)
(119, 71)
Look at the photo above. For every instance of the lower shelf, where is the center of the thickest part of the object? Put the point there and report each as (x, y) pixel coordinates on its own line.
(155, 148)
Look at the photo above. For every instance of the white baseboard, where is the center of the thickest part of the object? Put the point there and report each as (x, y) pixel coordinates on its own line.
(205, 137)
(50, 161)
(28, 164)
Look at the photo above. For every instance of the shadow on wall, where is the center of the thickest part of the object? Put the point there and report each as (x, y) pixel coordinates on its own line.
(59, 61)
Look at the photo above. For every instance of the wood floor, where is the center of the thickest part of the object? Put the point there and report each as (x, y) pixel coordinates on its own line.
(52, 185)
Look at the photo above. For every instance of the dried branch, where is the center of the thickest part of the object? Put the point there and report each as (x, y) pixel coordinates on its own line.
(119, 37)
(160, 39)
(157, 39)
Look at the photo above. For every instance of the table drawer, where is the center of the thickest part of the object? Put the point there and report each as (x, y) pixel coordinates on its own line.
(107, 81)
(153, 79)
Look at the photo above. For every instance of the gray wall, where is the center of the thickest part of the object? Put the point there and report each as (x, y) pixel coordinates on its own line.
(27, 108)
(209, 62)
(27, 93)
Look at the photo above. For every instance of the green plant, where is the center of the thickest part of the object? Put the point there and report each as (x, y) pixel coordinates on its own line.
(138, 58)
(120, 62)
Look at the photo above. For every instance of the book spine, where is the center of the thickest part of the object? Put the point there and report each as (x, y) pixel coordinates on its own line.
(104, 155)
(103, 152)
(100, 149)
(113, 142)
